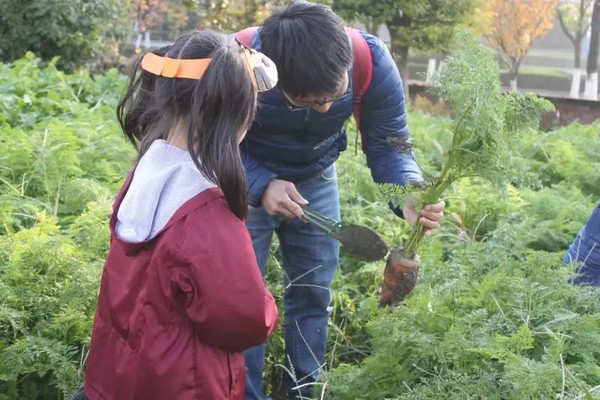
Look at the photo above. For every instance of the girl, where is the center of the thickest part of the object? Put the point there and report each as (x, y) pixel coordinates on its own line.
(181, 294)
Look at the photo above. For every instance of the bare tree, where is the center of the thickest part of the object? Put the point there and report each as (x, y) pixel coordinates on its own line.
(575, 22)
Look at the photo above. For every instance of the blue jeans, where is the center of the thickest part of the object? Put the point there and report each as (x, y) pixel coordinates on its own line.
(586, 250)
(310, 258)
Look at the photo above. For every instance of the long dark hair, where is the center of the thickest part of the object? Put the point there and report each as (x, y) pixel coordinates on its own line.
(217, 108)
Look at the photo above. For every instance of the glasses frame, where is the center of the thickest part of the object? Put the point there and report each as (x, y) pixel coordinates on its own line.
(293, 107)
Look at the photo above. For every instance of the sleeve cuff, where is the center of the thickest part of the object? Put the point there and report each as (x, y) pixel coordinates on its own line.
(397, 210)
(257, 187)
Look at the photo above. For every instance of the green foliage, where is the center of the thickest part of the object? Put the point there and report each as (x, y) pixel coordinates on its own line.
(575, 17)
(552, 216)
(426, 25)
(568, 154)
(483, 135)
(487, 118)
(423, 24)
(485, 322)
(47, 305)
(57, 132)
(89, 230)
(225, 15)
(493, 315)
(79, 31)
(476, 208)
(44, 92)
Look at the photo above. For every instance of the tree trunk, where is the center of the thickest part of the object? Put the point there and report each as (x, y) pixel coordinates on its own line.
(138, 42)
(592, 60)
(591, 84)
(575, 83)
(514, 73)
(575, 37)
(577, 59)
(370, 26)
(399, 48)
(431, 65)
(402, 63)
(591, 87)
(400, 55)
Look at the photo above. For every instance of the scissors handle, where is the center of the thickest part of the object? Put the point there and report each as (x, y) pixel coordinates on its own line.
(327, 225)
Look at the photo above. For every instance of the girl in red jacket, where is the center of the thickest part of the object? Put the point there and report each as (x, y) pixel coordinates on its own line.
(181, 294)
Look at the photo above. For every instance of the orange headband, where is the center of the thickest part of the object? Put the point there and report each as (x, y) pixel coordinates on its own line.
(175, 68)
(262, 70)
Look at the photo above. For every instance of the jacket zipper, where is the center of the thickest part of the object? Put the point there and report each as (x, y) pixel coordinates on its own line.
(307, 115)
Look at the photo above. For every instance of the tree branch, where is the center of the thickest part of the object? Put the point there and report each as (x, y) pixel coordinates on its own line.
(564, 26)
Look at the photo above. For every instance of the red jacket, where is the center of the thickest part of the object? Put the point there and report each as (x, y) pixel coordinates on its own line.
(175, 312)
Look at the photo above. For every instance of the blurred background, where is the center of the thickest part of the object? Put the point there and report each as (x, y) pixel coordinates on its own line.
(542, 42)
(546, 46)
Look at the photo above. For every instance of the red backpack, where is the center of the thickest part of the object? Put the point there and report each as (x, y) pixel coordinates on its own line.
(362, 70)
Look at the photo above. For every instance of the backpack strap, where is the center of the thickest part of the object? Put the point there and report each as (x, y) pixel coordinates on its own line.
(245, 35)
(362, 69)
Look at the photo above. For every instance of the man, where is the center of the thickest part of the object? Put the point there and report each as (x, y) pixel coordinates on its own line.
(289, 155)
(585, 249)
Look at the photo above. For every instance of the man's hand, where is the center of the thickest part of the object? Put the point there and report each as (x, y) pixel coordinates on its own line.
(282, 198)
(430, 215)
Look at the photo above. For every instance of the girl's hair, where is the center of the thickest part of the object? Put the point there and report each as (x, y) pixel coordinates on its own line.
(216, 109)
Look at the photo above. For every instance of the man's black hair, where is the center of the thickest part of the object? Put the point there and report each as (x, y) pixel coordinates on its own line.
(310, 47)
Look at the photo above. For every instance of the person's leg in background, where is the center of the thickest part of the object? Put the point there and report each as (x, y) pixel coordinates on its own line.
(261, 226)
(310, 259)
(585, 250)
(79, 395)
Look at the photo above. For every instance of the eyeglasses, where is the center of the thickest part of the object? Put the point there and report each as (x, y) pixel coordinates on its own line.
(294, 105)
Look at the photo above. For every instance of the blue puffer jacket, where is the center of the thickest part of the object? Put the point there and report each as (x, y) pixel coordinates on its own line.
(297, 145)
(586, 249)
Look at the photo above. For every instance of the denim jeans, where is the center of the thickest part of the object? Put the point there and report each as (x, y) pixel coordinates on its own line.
(310, 258)
(79, 395)
(586, 250)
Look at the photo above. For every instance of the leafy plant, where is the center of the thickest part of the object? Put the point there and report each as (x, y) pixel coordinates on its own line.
(62, 160)
(487, 119)
(568, 155)
(487, 321)
(47, 304)
(494, 315)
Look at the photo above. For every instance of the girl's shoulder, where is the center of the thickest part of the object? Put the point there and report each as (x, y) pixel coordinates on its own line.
(210, 225)
(212, 216)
